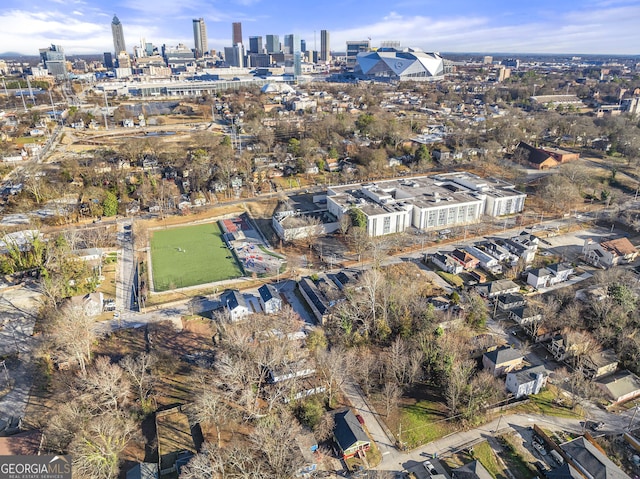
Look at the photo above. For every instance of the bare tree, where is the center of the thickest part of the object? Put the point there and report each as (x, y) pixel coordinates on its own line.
(334, 367)
(97, 448)
(276, 437)
(73, 335)
(208, 463)
(106, 384)
(457, 383)
(139, 369)
(391, 393)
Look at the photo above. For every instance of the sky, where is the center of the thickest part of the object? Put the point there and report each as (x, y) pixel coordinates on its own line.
(508, 26)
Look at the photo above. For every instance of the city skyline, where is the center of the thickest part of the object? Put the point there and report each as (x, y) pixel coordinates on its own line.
(84, 26)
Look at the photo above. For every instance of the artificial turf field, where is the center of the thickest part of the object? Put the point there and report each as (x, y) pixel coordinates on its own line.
(190, 255)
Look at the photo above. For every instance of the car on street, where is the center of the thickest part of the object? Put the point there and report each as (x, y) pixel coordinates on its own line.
(360, 419)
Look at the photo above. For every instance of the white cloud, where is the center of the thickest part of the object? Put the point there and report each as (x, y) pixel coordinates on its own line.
(605, 30)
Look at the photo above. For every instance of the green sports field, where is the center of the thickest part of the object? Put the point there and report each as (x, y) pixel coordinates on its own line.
(190, 255)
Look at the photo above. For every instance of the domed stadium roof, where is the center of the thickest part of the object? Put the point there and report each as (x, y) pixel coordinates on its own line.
(403, 65)
(277, 88)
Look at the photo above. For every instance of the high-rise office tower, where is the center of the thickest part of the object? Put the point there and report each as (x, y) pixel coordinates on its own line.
(273, 44)
(292, 43)
(108, 59)
(54, 60)
(325, 49)
(237, 32)
(200, 37)
(255, 44)
(118, 35)
(303, 46)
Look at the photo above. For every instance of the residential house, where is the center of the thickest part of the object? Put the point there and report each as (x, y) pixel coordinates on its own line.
(466, 260)
(534, 157)
(471, 470)
(509, 301)
(497, 288)
(561, 156)
(315, 298)
(524, 315)
(552, 274)
(609, 253)
(445, 262)
(590, 459)
(486, 261)
(234, 302)
(91, 304)
(527, 381)
(133, 207)
(600, 363)
(498, 251)
(439, 303)
(349, 434)
(524, 245)
(502, 360)
(143, 470)
(270, 299)
(620, 387)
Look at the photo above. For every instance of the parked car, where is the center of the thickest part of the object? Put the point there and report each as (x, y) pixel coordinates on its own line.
(429, 467)
(360, 419)
(539, 448)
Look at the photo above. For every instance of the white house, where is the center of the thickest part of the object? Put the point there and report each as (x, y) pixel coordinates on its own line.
(270, 299)
(527, 381)
(235, 304)
(609, 253)
(552, 274)
(446, 263)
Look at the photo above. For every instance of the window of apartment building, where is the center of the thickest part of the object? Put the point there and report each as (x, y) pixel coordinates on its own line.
(386, 226)
(451, 217)
(471, 212)
(374, 226)
(431, 221)
(442, 216)
(462, 214)
(508, 206)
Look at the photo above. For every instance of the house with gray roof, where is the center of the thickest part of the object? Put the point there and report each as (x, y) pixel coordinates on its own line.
(270, 299)
(527, 381)
(502, 360)
(471, 470)
(590, 460)
(620, 387)
(349, 435)
(233, 301)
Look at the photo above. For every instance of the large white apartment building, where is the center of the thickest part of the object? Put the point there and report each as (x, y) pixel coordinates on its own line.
(427, 203)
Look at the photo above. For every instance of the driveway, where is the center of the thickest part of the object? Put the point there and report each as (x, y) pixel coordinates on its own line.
(385, 443)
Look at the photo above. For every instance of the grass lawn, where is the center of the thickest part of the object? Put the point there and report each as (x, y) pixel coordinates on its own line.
(452, 279)
(189, 256)
(544, 403)
(483, 453)
(423, 417)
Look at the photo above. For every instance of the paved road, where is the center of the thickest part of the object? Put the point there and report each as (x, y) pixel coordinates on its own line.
(126, 270)
(506, 423)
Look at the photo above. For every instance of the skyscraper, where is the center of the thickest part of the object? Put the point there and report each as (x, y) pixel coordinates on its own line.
(325, 49)
(292, 43)
(200, 37)
(54, 60)
(237, 32)
(273, 44)
(303, 46)
(255, 44)
(118, 35)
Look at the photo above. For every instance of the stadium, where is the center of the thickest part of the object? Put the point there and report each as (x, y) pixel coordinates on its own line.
(408, 64)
